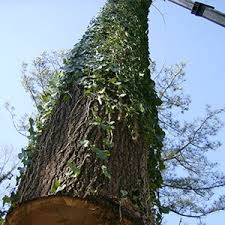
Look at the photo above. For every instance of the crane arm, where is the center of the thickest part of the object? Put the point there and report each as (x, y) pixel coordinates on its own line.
(203, 10)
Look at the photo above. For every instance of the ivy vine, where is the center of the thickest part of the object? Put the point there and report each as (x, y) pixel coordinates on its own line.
(111, 64)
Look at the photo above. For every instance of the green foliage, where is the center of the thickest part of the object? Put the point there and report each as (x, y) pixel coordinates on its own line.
(10, 200)
(57, 186)
(101, 154)
(2, 221)
(6, 200)
(85, 143)
(74, 169)
(111, 64)
(43, 76)
(45, 101)
(106, 172)
(123, 193)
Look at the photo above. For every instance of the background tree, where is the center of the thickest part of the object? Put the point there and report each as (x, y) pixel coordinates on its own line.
(190, 179)
(43, 74)
(7, 172)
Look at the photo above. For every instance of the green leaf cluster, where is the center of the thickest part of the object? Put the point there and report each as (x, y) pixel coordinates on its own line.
(74, 169)
(2, 221)
(57, 186)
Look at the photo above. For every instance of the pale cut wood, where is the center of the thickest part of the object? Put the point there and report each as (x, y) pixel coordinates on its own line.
(61, 210)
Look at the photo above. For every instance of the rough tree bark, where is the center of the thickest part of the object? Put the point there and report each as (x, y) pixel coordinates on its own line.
(123, 195)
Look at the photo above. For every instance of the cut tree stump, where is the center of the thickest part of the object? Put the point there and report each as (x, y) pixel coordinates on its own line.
(61, 210)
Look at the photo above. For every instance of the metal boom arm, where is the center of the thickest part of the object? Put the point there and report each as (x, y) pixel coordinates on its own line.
(203, 10)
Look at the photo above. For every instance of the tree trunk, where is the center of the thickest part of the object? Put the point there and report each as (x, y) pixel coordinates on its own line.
(91, 110)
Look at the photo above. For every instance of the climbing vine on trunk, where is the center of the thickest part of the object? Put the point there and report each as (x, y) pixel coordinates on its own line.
(107, 76)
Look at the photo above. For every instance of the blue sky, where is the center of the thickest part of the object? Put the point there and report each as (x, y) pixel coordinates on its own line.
(30, 27)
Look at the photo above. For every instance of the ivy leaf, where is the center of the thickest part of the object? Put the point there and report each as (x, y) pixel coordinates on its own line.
(99, 100)
(162, 166)
(107, 143)
(85, 143)
(56, 186)
(101, 59)
(115, 68)
(21, 169)
(6, 200)
(13, 198)
(74, 169)
(40, 107)
(122, 95)
(21, 155)
(31, 121)
(113, 80)
(123, 193)
(106, 172)
(164, 210)
(102, 154)
(142, 109)
(2, 221)
(88, 92)
(118, 83)
(102, 91)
